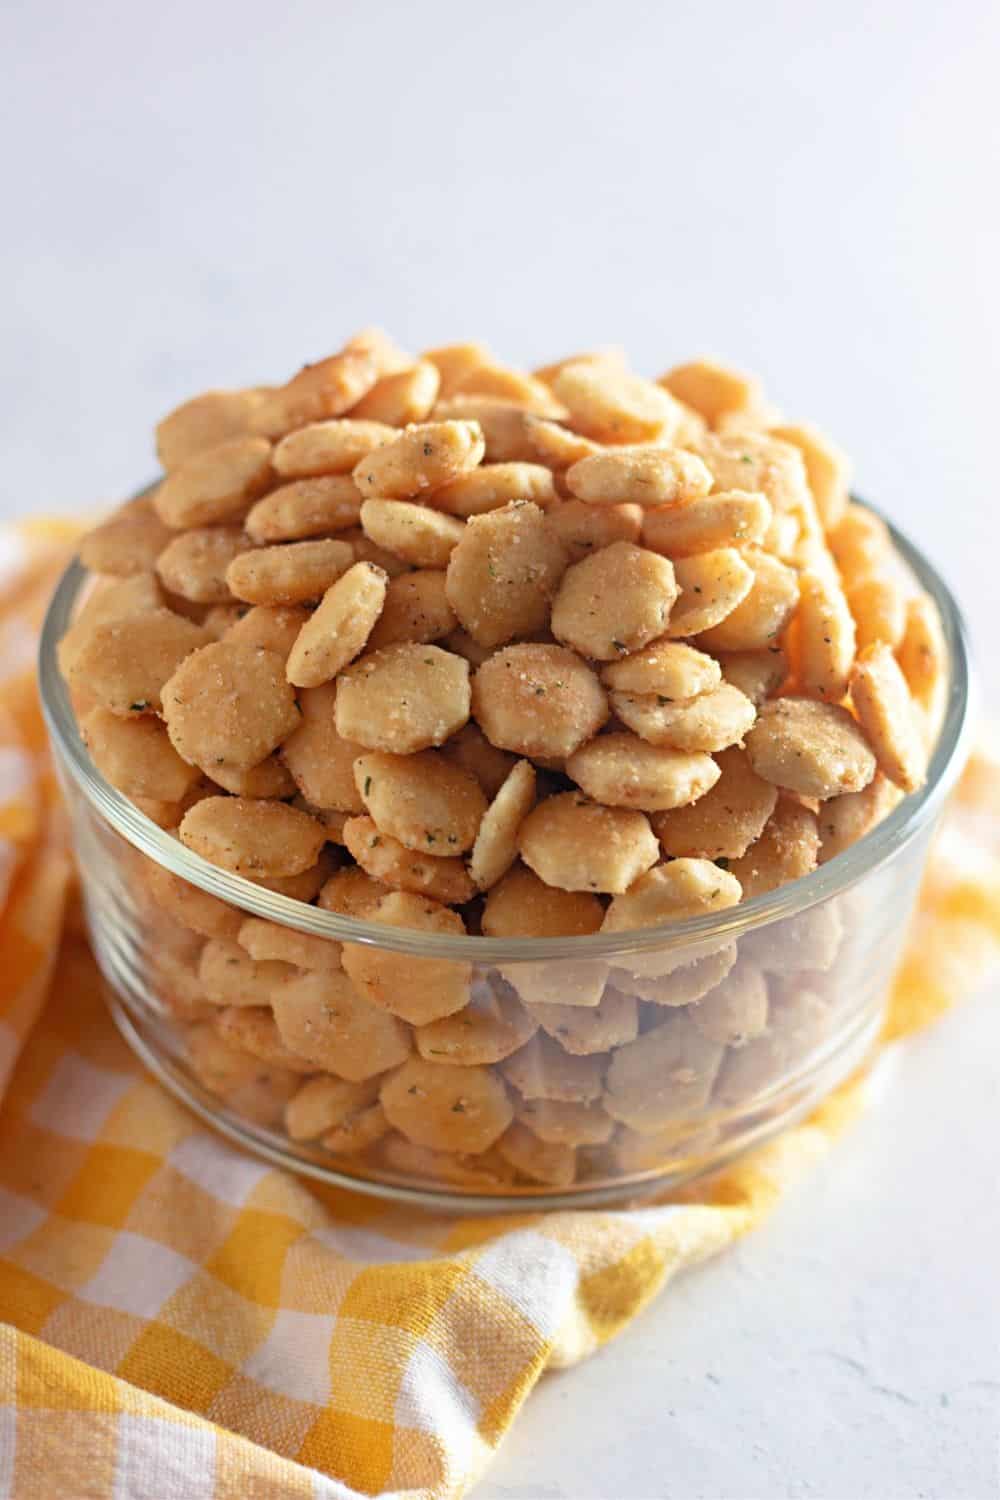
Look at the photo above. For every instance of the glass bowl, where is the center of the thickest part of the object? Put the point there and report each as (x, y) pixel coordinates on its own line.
(582, 1070)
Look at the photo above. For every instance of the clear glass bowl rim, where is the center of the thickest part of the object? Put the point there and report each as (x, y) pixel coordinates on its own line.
(875, 849)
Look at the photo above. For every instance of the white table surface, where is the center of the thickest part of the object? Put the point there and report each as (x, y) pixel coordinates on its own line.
(204, 194)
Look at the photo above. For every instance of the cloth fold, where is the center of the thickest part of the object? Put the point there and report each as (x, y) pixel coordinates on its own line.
(179, 1320)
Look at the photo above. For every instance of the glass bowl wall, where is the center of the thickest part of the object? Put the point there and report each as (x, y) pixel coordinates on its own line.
(603, 1066)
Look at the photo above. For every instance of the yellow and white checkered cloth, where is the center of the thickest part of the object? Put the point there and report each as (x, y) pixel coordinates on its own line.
(181, 1322)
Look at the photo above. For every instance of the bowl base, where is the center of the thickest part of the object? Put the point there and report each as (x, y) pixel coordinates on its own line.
(155, 1044)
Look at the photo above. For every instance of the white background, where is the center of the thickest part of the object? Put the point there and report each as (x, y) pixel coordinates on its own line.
(208, 193)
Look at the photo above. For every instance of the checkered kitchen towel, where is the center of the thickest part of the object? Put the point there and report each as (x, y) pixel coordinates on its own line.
(180, 1322)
